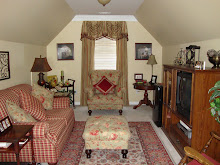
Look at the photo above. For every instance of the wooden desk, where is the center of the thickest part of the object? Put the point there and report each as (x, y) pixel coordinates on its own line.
(14, 136)
(145, 100)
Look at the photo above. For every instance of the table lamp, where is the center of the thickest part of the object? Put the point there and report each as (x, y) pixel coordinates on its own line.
(152, 61)
(41, 65)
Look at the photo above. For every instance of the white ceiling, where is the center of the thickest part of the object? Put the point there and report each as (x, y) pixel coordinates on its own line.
(115, 7)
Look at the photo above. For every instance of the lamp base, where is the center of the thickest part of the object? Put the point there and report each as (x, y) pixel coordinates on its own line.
(41, 80)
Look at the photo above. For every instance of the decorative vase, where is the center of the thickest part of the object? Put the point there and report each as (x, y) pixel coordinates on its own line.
(214, 58)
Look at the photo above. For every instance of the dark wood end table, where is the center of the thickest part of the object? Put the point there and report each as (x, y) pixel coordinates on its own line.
(14, 136)
(146, 87)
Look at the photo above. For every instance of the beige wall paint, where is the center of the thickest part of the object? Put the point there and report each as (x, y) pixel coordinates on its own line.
(33, 22)
(170, 52)
(72, 69)
(177, 22)
(21, 58)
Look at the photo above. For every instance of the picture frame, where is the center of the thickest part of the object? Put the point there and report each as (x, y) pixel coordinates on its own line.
(143, 51)
(65, 51)
(4, 65)
(52, 78)
(5, 124)
(153, 79)
(138, 76)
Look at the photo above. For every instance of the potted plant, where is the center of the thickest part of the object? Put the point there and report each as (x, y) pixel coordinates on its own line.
(215, 101)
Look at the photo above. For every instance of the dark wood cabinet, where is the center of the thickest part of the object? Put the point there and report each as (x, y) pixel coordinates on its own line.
(200, 121)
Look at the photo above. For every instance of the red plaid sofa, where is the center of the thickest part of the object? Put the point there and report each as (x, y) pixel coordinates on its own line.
(49, 135)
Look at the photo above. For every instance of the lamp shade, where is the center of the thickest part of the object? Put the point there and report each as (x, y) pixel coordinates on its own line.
(152, 60)
(41, 65)
(104, 2)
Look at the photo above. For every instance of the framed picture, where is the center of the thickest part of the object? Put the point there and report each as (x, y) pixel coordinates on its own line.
(52, 80)
(5, 124)
(138, 76)
(65, 51)
(143, 51)
(153, 79)
(4, 65)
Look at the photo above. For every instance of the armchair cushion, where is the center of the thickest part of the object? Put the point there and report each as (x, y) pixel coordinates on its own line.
(33, 106)
(17, 114)
(110, 99)
(194, 162)
(45, 96)
(104, 86)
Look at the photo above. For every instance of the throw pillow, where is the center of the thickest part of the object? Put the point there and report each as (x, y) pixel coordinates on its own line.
(104, 86)
(17, 114)
(32, 105)
(45, 96)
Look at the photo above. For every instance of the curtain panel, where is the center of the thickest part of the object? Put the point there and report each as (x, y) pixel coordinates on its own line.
(94, 30)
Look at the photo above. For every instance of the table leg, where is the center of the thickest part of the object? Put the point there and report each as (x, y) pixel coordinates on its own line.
(16, 145)
(144, 101)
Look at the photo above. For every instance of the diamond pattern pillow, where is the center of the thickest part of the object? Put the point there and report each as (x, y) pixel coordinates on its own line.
(45, 96)
(104, 86)
(17, 114)
(33, 106)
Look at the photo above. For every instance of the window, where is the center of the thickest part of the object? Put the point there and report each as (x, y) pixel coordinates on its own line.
(105, 54)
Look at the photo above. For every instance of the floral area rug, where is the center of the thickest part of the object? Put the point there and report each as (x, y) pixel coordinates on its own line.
(144, 148)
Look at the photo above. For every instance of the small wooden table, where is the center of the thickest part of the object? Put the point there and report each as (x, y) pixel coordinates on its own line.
(14, 136)
(146, 87)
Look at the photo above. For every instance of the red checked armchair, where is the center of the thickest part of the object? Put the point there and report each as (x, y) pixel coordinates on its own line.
(105, 92)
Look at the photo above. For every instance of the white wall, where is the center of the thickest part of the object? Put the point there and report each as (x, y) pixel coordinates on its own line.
(170, 52)
(21, 59)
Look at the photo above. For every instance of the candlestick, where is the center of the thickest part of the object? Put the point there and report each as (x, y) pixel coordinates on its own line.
(62, 73)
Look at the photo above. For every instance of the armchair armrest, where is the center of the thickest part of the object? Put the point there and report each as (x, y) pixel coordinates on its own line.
(119, 91)
(192, 153)
(61, 102)
(90, 91)
(40, 128)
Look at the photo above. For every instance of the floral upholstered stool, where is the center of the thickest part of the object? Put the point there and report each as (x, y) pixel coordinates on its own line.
(106, 132)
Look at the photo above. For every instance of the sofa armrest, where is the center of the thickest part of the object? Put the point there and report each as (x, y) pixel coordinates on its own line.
(90, 91)
(119, 91)
(61, 102)
(40, 128)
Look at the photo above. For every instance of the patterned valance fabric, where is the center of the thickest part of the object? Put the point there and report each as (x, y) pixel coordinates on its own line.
(94, 30)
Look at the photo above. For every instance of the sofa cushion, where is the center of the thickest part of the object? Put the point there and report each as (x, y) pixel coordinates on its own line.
(6, 95)
(104, 86)
(110, 99)
(17, 114)
(33, 106)
(65, 115)
(45, 96)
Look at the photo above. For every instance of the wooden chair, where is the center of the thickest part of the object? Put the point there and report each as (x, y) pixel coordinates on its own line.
(200, 158)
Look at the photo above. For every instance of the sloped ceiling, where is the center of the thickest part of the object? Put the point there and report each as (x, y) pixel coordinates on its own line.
(180, 21)
(33, 21)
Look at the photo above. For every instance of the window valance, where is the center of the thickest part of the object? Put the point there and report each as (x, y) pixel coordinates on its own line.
(94, 30)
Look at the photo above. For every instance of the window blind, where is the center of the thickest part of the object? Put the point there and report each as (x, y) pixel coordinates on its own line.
(105, 54)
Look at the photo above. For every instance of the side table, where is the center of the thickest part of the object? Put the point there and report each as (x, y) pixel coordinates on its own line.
(14, 136)
(145, 87)
(72, 100)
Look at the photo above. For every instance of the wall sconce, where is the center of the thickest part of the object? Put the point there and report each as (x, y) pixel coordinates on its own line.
(41, 65)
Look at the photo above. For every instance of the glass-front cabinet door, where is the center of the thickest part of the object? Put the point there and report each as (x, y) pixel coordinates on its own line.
(167, 81)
